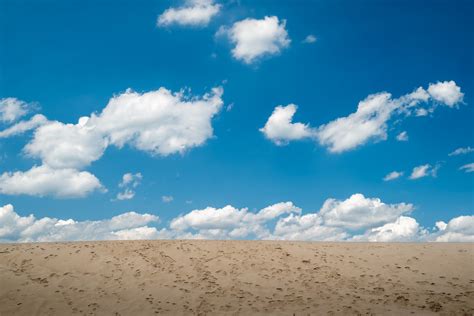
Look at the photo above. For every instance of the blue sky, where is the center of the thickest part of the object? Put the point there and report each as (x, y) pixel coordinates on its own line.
(67, 59)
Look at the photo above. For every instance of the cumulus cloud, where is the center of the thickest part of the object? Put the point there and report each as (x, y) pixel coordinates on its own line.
(402, 229)
(255, 38)
(229, 222)
(369, 122)
(402, 137)
(280, 129)
(461, 151)
(447, 93)
(310, 39)
(193, 13)
(371, 119)
(210, 217)
(45, 181)
(372, 221)
(459, 229)
(11, 109)
(440, 225)
(158, 122)
(11, 224)
(359, 212)
(336, 220)
(61, 145)
(131, 225)
(423, 171)
(468, 167)
(306, 227)
(139, 233)
(393, 175)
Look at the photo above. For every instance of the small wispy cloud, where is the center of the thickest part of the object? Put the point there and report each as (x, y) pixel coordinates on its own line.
(424, 171)
(462, 151)
(167, 198)
(402, 137)
(130, 179)
(310, 39)
(126, 195)
(393, 175)
(229, 107)
(128, 183)
(468, 167)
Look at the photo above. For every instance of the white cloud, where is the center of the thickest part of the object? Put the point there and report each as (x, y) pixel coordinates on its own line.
(46, 181)
(273, 211)
(337, 220)
(280, 129)
(459, 229)
(359, 212)
(11, 224)
(440, 225)
(468, 167)
(310, 39)
(129, 225)
(24, 126)
(446, 92)
(130, 220)
(417, 96)
(402, 229)
(210, 218)
(229, 222)
(421, 112)
(167, 198)
(369, 122)
(462, 151)
(373, 114)
(131, 179)
(281, 221)
(402, 137)
(229, 107)
(193, 13)
(393, 175)
(423, 171)
(255, 38)
(306, 227)
(128, 183)
(61, 145)
(11, 109)
(127, 194)
(139, 233)
(158, 122)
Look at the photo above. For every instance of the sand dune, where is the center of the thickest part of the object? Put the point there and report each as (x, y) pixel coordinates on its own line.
(236, 278)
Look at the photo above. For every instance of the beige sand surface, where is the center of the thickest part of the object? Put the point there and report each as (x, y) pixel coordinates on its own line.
(236, 278)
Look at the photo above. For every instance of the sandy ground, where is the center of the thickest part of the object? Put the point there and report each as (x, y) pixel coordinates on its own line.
(236, 278)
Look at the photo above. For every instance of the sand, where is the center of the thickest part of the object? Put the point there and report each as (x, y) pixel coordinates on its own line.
(236, 278)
